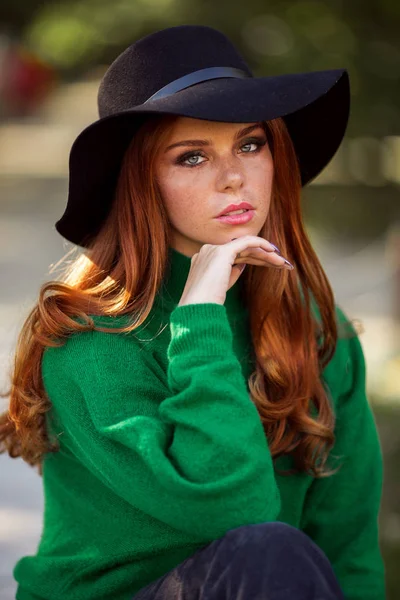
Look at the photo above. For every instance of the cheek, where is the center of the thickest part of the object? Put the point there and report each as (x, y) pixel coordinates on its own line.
(268, 177)
(182, 194)
(260, 175)
(261, 179)
(266, 168)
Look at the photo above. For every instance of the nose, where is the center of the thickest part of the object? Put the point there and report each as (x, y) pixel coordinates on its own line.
(230, 176)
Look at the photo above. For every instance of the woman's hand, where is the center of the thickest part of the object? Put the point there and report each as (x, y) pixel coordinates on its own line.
(216, 268)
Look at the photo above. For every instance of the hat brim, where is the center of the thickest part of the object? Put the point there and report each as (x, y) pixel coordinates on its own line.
(315, 107)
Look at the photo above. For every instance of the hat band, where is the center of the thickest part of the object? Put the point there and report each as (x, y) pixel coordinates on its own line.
(197, 77)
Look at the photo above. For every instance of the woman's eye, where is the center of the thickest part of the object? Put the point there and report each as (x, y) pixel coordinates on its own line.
(257, 144)
(192, 160)
(250, 144)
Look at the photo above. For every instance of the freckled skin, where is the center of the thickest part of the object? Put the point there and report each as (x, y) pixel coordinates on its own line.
(227, 172)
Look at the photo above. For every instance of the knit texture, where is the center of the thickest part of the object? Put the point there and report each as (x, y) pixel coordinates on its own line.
(162, 452)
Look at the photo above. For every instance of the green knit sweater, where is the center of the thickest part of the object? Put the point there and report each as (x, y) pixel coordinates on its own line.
(162, 451)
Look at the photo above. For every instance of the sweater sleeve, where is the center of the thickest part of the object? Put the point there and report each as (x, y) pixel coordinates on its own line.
(341, 511)
(188, 449)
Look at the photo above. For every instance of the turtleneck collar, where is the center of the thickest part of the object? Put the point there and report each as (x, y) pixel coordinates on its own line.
(175, 280)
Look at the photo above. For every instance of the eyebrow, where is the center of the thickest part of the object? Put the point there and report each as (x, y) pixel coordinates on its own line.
(238, 135)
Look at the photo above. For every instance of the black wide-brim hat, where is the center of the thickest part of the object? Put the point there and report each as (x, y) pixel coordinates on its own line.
(194, 71)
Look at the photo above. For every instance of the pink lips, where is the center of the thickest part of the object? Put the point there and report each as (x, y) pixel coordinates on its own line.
(233, 207)
(237, 219)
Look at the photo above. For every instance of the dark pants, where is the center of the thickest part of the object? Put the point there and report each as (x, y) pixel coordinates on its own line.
(271, 561)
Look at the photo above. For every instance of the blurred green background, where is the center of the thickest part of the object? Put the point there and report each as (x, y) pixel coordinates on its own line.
(52, 57)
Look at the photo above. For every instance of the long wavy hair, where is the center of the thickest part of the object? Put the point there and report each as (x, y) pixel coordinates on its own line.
(121, 272)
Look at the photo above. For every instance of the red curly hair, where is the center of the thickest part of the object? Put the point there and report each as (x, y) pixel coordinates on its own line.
(112, 277)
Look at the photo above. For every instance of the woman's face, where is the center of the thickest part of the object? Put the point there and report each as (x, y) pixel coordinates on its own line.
(203, 167)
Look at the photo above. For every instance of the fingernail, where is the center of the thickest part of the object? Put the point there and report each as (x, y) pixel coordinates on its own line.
(276, 249)
(289, 264)
(242, 267)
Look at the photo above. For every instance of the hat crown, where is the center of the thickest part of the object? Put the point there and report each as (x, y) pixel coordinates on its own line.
(156, 60)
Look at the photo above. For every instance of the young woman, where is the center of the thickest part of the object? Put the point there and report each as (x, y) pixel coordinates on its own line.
(202, 432)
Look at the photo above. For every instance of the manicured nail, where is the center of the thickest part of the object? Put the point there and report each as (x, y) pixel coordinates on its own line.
(289, 264)
(276, 249)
